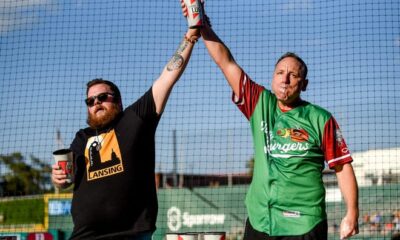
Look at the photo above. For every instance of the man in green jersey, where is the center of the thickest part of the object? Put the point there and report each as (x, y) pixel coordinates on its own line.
(293, 139)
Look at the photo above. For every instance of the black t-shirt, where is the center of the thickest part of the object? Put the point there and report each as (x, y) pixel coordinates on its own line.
(114, 192)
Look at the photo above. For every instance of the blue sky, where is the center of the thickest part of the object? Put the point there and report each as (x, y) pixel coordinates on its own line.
(49, 49)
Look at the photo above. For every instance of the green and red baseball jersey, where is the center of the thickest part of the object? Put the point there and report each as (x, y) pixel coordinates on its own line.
(287, 194)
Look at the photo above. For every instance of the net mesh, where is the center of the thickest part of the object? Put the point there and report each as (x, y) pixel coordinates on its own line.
(50, 49)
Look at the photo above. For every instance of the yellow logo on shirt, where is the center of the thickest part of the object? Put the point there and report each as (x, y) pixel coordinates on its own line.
(103, 156)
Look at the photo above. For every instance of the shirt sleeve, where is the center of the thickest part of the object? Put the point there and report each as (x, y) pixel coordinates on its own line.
(78, 146)
(248, 96)
(145, 107)
(335, 149)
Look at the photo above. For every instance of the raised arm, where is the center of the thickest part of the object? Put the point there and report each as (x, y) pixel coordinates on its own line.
(162, 87)
(222, 56)
(348, 186)
(220, 53)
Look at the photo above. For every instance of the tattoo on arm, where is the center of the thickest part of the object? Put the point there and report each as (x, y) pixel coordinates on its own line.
(177, 60)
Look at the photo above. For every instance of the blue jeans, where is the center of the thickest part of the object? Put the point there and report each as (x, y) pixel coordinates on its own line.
(142, 236)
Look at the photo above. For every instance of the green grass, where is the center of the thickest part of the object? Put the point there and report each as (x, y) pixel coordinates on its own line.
(22, 211)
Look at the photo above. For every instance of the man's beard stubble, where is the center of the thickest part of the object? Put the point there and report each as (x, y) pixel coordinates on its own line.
(100, 122)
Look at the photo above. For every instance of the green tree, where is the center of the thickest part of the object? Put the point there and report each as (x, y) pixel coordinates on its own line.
(21, 178)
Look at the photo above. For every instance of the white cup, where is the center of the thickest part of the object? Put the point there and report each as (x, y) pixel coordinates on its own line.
(171, 236)
(213, 236)
(64, 158)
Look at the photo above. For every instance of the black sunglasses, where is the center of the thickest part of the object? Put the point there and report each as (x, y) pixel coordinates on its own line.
(102, 97)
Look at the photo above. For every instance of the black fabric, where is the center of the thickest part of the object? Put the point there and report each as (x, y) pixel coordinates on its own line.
(319, 232)
(124, 203)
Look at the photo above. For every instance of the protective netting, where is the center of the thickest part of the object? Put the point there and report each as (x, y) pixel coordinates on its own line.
(50, 49)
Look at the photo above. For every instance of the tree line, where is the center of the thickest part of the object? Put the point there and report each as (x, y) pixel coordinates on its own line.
(18, 176)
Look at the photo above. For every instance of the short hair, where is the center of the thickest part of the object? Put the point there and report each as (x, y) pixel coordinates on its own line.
(114, 88)
(303, 67)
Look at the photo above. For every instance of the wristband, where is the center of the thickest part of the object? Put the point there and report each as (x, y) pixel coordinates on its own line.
(192, 41)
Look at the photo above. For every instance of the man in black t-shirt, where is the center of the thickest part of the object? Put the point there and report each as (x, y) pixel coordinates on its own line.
(114, 184)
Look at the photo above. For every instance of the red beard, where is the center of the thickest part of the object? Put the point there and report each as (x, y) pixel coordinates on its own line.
(100, 122)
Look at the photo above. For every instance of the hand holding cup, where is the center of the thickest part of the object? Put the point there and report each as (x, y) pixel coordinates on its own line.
(62, 170)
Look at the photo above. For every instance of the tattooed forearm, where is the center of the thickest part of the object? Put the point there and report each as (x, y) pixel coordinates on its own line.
(177, 60)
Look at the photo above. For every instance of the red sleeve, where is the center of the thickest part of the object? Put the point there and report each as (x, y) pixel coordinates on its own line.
(248, 97)
(334, 146)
